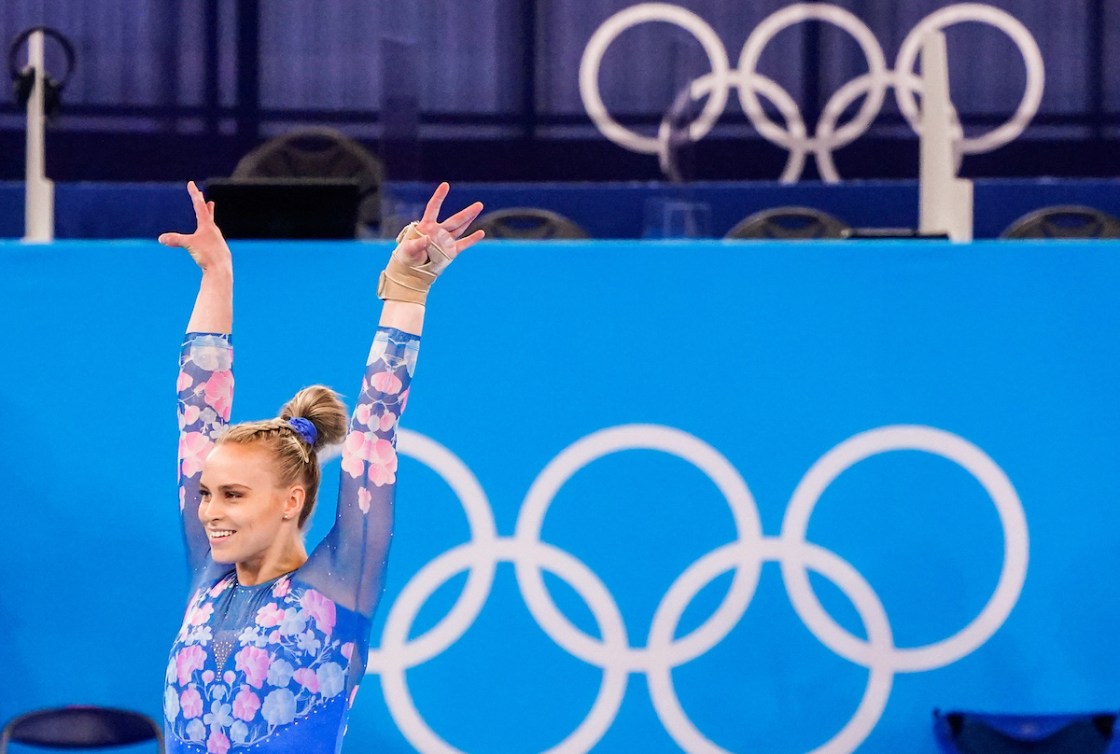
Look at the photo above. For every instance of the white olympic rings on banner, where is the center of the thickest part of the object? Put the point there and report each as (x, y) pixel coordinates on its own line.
(794, 137)
(664, 650)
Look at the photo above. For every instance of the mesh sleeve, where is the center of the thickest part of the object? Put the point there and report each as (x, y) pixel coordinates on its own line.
(205, 387)
(349, 564)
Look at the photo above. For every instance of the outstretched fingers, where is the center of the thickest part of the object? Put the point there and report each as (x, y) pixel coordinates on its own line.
(431, 212)
(461, 220)
(443, 233)
(465, 243)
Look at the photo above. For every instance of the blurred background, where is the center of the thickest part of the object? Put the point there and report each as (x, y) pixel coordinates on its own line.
(541, 95)
(489, 90)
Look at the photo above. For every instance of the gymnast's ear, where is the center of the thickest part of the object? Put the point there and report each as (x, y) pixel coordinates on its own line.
(294, 502)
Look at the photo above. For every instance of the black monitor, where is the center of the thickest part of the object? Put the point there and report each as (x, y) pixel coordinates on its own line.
(300, 208)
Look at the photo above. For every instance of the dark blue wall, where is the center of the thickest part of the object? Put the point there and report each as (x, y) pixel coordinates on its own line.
(490, 90)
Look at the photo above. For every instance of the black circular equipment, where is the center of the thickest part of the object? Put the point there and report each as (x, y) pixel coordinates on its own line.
(23, 79)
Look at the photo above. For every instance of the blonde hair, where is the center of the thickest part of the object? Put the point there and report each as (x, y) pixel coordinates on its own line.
(296, 461)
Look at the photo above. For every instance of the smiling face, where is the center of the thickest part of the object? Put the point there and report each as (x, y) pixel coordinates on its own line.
(248, 516)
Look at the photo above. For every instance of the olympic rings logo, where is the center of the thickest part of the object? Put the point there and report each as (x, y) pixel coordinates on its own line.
(829, 135)
(744, 557)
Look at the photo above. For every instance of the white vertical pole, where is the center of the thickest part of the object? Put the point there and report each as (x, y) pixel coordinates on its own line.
(945, 201)
(38, 213)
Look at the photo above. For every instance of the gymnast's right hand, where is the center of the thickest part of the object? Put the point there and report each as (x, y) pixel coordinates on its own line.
(206, 245)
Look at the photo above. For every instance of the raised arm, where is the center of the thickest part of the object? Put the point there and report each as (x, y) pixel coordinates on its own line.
(205, 383)
(350, 562)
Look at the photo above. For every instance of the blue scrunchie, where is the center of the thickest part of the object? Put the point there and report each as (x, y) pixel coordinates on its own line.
(305, 429)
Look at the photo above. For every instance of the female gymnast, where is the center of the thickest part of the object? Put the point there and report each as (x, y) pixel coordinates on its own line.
(274, 641)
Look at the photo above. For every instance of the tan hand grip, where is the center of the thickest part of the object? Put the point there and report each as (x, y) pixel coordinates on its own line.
(401, 281)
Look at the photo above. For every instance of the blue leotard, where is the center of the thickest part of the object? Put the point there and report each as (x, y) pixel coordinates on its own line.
(274, 667)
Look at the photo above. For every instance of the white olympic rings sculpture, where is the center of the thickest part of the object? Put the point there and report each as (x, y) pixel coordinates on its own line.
(829, 135)
(664, 650)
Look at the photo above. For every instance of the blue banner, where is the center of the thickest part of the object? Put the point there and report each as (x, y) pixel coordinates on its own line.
(668, 496)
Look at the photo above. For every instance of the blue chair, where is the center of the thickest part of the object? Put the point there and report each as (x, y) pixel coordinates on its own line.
(81, 727)
(985, 733)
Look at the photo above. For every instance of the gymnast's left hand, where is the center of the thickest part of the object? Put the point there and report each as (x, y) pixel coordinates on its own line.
(446, 235)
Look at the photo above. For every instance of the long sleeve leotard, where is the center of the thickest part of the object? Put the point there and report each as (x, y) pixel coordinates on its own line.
(275, 666)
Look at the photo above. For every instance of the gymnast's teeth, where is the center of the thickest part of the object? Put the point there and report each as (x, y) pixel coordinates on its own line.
(220, 534)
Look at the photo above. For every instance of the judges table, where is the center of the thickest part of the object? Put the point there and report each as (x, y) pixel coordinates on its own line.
(752, 497)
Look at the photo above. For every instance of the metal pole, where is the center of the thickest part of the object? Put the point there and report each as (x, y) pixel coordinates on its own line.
(38, 213)
(944, 201)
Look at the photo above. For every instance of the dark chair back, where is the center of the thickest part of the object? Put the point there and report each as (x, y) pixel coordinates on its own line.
(320, 153)
(528, 224)
(789, 224)
(81, 727)
(1064, 221)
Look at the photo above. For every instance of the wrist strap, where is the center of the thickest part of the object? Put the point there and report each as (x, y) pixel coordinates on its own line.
(401, 281)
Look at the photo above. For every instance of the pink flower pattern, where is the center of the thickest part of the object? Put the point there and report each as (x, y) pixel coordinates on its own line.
(270, 615)
(306, 677)
(382, 463)
(189, 416)
(219, 392)
(218, 743)
(320, 608)
(354, 453)
(365, 415)
(246, 704)
(201, 614)
(386, 382)
(191, 703)
(233, 706)
(188, 660)
(193, 449)
(386, 421)
(253, 662)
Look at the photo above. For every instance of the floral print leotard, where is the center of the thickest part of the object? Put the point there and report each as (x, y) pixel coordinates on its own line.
(274, 667)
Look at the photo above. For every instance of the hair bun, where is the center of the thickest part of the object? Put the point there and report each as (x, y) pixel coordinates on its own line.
(317, 415)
